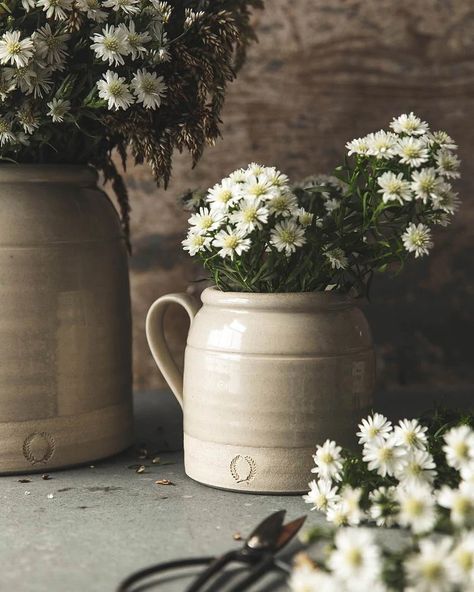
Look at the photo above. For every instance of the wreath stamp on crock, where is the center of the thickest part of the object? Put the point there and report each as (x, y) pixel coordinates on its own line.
(243, 468)
(39, 447)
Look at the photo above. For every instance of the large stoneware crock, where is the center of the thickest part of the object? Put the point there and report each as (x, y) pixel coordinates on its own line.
(65, 364)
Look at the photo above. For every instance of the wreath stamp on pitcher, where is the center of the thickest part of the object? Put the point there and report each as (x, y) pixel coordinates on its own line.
(243, 468)
(39, 447)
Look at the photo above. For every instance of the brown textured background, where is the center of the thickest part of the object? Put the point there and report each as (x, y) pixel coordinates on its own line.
(323, 72)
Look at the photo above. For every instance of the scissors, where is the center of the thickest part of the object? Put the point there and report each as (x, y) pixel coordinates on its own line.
(258, 552)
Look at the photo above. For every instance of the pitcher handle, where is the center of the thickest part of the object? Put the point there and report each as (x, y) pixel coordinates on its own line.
(157, 342)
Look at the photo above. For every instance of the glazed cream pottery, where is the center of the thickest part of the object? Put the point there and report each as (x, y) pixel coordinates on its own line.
(267, 377)
(65, 371)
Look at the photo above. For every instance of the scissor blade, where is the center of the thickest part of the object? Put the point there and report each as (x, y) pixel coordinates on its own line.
(288, 532)
(267, 533)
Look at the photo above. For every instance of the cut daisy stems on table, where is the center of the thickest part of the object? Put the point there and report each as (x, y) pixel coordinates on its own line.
(377, 211)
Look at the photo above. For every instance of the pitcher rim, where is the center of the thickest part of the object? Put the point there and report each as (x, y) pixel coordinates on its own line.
(328, 300)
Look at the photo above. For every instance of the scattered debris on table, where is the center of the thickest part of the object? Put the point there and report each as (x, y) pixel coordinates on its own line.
(46, 477)
(164, 482)
(50, 495)
(24, 480)
(140, 469)
(237, 536)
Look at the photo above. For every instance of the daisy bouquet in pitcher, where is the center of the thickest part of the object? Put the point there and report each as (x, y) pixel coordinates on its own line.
(254, 231)
(416, 476)
(82, 78)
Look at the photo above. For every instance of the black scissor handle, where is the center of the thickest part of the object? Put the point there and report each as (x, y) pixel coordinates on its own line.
(161, 567)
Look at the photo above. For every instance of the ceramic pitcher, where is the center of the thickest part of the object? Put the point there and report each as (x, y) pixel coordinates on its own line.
(267, 377)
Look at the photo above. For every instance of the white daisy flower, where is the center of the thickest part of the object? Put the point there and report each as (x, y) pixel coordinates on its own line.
(224, 194)
(305, 579)
(275, 177)
(6, 134)
(356, 560)
(287, 236)
(231, 242)
(238, 176)
(418, 467)
(328, 461)
(375, 429)
(384, 456)
(51, 45)
(426, 184)
(251, 215)
(411, 434)
(196, 242)
(412, 151)
(28, 4)
(206, 220)
(417, 239)
(461, 561)
(417, 508)
(459, 447)
(93, 10)
(41, 83)
(448, 200)
(427, 571)
(126, 6)
(381, 144)
(28, 119)
(14, 50)
(56, 9)
(22, 78)
(394, 187)
(358, 146)
(337, 514)
(409, 124)
(382, 508)
(111, 45)
(350, 502)
(331, 204)
(284, 203)
(136, 40)
(337, 258)
(304, 218)
(58, 108)
(461, 503)
(448, 164)
(259, 187)
(148, 88)
(322, 495)
(114, 90)
(442, 140)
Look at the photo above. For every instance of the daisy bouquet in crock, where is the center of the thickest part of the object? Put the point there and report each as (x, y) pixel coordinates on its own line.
(416, 477)
(80, 78)
(255, 232)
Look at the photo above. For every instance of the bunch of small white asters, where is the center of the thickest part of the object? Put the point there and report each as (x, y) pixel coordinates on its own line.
(123, 42)
(250, 217)
(396, 483)
(412, 168)
(255, 233)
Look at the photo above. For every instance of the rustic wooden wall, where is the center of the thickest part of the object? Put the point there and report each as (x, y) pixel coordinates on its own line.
(323, 72)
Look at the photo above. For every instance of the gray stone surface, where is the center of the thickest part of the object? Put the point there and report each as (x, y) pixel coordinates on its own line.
(104, 522)
(107, 521)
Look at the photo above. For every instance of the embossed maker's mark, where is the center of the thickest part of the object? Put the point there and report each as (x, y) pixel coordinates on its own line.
(243, 468)
(39, 447)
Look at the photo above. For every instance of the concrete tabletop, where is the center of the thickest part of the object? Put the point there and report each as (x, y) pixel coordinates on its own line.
(84, 529)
